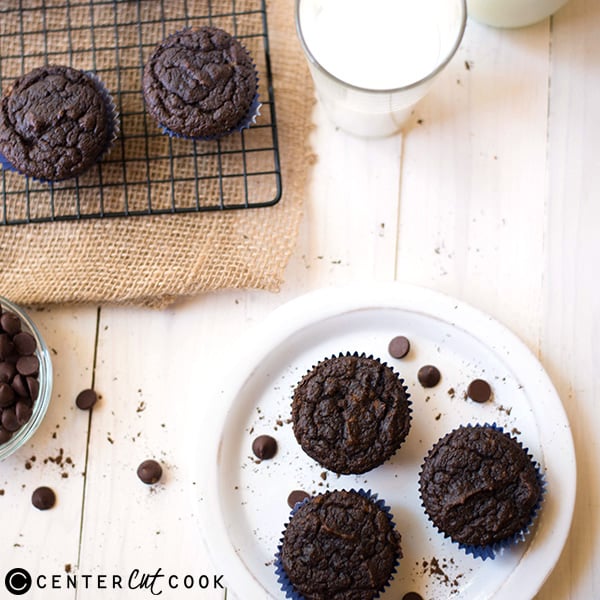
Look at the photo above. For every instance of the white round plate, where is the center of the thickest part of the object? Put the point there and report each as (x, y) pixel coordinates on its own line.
(248, 508)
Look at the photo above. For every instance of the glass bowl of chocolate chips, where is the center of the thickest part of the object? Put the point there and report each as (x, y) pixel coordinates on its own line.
(25, 378)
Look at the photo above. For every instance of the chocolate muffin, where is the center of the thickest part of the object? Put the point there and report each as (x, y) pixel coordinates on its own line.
(55, 123)
(200, 83)
(480, 488)
(340, 545)
(350, 413)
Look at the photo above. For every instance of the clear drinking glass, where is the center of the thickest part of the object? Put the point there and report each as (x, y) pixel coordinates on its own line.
(373, 61)
(40, 405)
(512, 13)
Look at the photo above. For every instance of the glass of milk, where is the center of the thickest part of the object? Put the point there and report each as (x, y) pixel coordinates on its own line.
(512, 13)
(373, 60)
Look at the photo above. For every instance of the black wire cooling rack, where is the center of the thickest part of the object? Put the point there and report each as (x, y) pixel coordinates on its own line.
(146, 172)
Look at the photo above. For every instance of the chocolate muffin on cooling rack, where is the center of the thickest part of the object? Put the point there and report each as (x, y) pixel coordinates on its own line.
(201, 84)
(55, 123)
(351, 413)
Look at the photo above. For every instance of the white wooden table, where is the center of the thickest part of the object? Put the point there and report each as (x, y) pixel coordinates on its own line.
(492, 195)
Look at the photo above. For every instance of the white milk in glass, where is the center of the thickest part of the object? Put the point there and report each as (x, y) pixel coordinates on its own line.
(512, 13)
(373, 60)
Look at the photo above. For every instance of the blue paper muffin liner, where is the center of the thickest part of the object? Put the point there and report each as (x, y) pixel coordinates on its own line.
(490, 551)
(286, 585)
(114, 130)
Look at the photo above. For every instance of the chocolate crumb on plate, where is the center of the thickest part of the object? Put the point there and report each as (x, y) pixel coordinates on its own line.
(429, 376)
(149, 471)
(264, 447)
(399, 347)
(479, 390)
(43, 498)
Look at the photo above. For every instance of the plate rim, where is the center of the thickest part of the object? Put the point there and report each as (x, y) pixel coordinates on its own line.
(317, 305)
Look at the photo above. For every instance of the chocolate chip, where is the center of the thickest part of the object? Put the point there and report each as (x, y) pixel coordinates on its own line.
(412, 596)
(10, 323)
(399, 347)
(479, 390)
(5, 435)
(7, 347)
(265, 447)
(297, 496)
(9, 419)
(19, 385)
(43, 498)
(7, 371)
(7, 395)
(429, 376)
(33, 385)
(23, 411)
(24, 343)
(28, 365)
(149, 471)
(86, 399)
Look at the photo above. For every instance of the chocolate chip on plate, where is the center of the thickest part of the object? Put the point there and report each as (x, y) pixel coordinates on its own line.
(43, 498)
(149, 471)
(399, 347)
(265, 447)
(86, 399)
(297, 496)
(429, 376)
(479, 390)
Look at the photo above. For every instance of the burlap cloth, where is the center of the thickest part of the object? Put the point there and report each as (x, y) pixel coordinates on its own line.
(152, 260)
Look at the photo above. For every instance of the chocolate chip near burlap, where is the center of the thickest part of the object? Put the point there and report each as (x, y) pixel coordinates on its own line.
(399, 346)
(86, 399)
(297, 496)
(264, 447)
(149, 471)
(479, 390)
(429, 376)
(10, 323)
(43, 498)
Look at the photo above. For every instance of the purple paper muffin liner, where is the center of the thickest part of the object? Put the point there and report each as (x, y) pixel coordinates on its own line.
(114, 130)
(286, 585)
(492, 550)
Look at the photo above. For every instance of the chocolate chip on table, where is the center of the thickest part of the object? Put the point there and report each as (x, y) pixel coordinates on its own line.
(10, 323)
(479, 390)
(149, 471)
(43, 498)
(28, 365)
(297, 496)
(429, 376)
(265, 447)
(86, 399)
(412, 596)
(399, 347)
